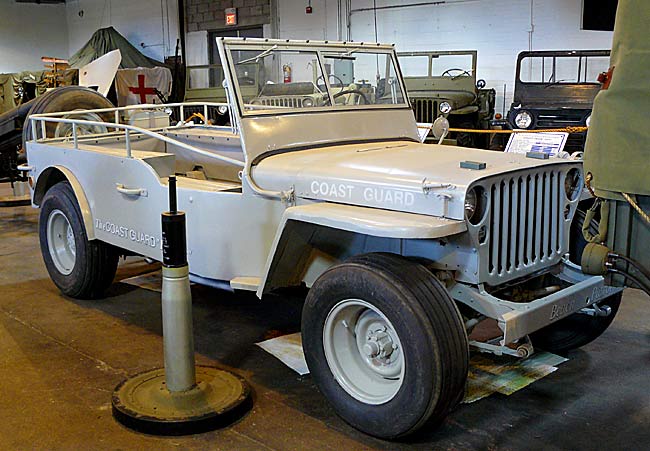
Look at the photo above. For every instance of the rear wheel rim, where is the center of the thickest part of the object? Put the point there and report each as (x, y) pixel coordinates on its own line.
(64, 130)
(363, 351)
(60, 242)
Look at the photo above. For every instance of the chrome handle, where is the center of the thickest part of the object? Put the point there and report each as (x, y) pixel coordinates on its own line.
(130, 191)
(25, 168)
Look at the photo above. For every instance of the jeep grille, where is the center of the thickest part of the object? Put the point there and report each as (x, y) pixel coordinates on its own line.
(527, 224)
(281, 101)
(426, 110)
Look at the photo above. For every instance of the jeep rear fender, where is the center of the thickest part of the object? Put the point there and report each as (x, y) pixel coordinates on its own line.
(55, 174)
(313, 237)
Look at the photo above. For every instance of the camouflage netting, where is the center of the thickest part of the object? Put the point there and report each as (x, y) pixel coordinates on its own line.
(617, 152)
(108, 39)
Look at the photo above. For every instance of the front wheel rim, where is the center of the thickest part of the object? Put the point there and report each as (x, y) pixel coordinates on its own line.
(61, 242)
(363, 351)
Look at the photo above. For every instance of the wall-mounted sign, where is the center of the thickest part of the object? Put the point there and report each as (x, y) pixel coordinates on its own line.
(231, 16)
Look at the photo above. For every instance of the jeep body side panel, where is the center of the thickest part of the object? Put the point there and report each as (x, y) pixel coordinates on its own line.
(296, 238)
(40, 187)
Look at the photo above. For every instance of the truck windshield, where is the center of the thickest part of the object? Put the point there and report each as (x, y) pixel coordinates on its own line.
(562, 69)
(455, 64)
(289, 79)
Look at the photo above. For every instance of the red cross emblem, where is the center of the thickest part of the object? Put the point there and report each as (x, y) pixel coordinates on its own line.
(141, 89)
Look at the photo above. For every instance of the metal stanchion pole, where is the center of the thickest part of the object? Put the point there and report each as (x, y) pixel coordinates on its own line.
(180, 398)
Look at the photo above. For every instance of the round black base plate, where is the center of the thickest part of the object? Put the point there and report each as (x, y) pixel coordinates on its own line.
(144, 404)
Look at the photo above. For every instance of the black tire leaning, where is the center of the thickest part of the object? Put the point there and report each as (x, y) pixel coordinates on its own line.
(67, 98)
(95, 261)
(429, 327)
(466, 139)
(576, 330)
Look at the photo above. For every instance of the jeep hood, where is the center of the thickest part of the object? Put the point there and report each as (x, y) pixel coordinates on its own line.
(398, 175)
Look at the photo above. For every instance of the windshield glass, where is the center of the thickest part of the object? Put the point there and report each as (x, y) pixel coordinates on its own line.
(562, 69)
(294, 79)
(440, 65)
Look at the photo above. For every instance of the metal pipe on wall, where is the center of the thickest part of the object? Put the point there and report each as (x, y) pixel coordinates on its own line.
(410, 5)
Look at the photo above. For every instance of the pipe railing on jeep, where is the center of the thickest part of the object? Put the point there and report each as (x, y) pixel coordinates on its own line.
(128, 129)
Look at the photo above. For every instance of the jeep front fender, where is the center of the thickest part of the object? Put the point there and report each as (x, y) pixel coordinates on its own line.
(315, 226)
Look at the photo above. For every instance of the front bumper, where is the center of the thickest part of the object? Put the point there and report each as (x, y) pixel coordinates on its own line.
(518, 319)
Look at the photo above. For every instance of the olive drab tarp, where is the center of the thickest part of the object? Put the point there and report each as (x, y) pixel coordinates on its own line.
(11, 87)
(617, 152)
(105, 40)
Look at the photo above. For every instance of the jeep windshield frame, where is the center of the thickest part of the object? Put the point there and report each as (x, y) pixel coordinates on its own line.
(440, 55)
(326, 93)
(549, 60)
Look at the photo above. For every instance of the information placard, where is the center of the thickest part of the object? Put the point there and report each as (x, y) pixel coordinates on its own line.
(551, 143)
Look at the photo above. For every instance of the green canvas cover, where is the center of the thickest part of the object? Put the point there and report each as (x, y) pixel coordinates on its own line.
(108, 39)
(9, 87)
(617, 152)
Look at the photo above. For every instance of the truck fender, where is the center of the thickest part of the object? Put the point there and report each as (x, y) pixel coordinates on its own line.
(313, 237)
(55, 174)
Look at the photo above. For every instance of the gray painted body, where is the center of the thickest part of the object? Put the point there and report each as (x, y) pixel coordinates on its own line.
(278, 198)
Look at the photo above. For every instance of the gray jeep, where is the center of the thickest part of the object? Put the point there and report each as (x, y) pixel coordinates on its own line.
(322, 182)
(444, 83)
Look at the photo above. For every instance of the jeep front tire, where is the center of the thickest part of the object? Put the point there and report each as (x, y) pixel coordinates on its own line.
(385, 344)
(79, 268)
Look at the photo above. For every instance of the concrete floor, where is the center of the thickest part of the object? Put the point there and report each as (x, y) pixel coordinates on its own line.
(60, 360)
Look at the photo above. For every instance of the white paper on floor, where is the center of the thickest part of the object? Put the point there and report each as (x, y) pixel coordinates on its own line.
(149, 281)
(287, 348)
(487, 373)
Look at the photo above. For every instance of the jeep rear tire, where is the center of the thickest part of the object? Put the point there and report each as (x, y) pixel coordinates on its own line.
(576, 330)
(78, 267)
(385, 344)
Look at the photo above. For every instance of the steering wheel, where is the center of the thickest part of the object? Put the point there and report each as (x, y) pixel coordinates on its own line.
(322, 77)
(352, 91)
(246, 81)
(453, 77)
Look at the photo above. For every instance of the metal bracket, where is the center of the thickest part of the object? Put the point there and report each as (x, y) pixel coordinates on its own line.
(524, 348)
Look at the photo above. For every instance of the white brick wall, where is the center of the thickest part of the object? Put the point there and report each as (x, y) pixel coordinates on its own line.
(498, 29)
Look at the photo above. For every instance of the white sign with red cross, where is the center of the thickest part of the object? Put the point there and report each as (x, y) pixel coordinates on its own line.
(142, 85)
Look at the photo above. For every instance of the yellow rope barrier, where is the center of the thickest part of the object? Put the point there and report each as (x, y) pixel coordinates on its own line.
(548, 130)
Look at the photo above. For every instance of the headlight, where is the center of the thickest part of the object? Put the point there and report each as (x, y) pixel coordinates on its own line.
(523, 119)
(308, 102)
(572, 184)
(475, 205)
(222, 110)
(445, 107)
(588, 120)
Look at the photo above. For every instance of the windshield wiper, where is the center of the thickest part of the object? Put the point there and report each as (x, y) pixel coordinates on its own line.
(341, 56)
(256, 58)
(560, 81)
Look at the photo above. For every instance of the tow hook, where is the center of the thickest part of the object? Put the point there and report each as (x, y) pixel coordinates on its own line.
(595, 310)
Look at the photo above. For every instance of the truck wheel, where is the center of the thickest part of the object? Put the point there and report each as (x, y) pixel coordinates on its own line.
(385, 344)
(78, 267)
(464, 139)
(576, 330)
(69, 98)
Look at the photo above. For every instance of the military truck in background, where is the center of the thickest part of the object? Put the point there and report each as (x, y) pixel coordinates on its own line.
(444, 83)
(555, 89)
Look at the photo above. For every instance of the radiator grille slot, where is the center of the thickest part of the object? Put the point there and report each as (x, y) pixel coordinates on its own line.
(527, 224)
(288, 101)
(426, 110)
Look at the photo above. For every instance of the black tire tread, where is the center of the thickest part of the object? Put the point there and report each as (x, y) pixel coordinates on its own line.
(102, 258)
(444, 317)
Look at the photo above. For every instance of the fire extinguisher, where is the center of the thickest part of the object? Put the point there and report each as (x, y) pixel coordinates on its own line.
(286, 71)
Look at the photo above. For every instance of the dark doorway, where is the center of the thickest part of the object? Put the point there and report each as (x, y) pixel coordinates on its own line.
(249, 32)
